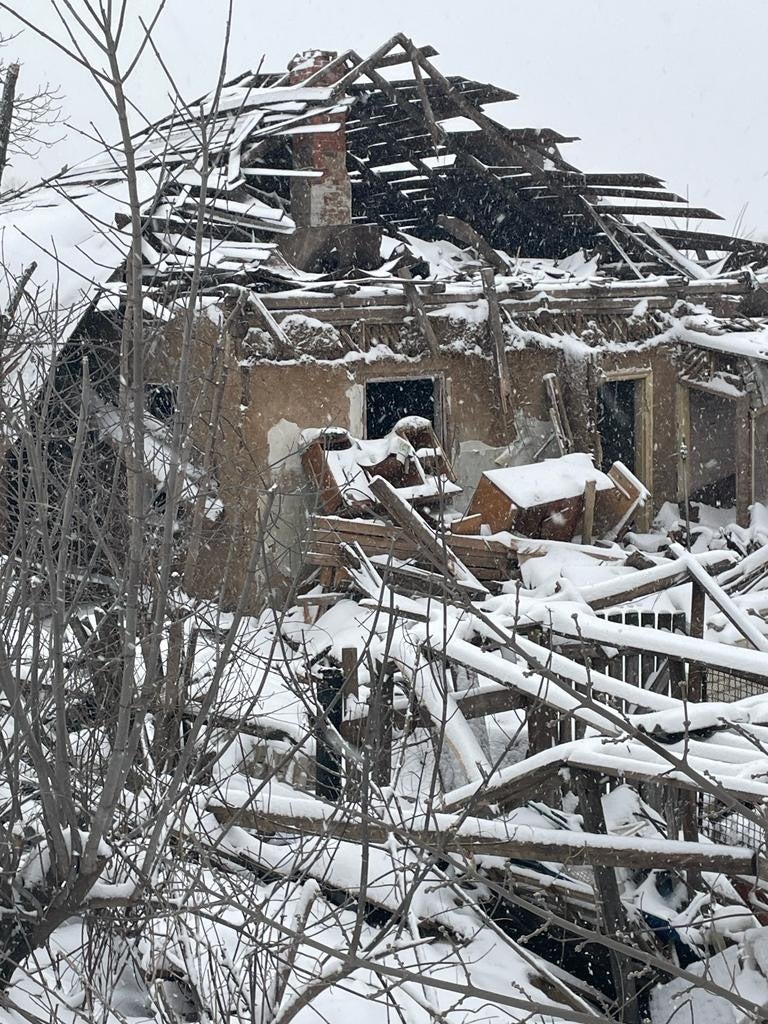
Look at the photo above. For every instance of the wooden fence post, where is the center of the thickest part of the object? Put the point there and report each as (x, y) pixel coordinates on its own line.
(327, 757)
(380, 719)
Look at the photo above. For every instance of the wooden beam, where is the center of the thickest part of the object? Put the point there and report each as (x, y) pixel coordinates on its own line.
(425, 324)
(718, 596)
(480, 837)
(465, 233)
(588, 520)
(435, 549)
(496, 332)
(610, 907)
(620, 590)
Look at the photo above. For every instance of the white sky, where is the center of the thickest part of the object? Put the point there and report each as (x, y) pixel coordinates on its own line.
(676, 88)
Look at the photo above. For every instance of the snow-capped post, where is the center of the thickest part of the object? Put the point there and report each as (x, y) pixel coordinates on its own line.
(349, 663)
(330, 685)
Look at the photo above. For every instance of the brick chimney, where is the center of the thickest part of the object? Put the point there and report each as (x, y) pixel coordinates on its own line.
(327, 201)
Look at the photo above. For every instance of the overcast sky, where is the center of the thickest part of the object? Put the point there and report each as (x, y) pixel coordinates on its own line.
(676, 88)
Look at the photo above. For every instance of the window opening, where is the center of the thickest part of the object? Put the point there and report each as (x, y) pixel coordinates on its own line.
(387, 401)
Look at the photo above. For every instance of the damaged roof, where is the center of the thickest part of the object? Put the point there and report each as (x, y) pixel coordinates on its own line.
(426, 163)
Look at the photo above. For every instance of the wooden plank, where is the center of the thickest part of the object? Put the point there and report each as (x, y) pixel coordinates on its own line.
(640, 584)
(328, 761)
(496, 331)
(435, 549)
(689, 212)
(610, 907)
(425, 324)
(349, 663)
(588, 520)
(465, 233)
(717, 595)
(523, 843)
(467, 525)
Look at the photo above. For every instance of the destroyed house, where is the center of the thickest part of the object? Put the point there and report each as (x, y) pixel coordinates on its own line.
(387, 271)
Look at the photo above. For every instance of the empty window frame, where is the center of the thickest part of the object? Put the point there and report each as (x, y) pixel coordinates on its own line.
(711, 448)
(387, 401)
(160, 400)
(723, 447)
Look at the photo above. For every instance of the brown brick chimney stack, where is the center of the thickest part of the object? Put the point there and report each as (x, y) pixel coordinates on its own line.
(320, 202)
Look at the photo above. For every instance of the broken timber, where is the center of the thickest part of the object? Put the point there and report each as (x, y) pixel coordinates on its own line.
(497, 335)
(480, 837)
(437, 551)
(487, 559)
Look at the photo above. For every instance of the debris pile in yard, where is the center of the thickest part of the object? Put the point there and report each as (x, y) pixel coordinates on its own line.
(558, 752)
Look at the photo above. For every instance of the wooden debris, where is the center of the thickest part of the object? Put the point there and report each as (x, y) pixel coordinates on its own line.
(479, 837)
(497, 337)
(436, 549)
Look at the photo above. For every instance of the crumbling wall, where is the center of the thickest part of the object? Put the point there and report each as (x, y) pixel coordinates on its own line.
(267, 402)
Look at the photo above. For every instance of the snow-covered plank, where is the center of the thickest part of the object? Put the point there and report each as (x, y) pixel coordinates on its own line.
(620, 589)
(435, 549)
(726, 604)
(574, 622)
(480, 837)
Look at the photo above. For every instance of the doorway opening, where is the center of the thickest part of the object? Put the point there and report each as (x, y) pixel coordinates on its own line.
(617, 423)
(712, 458)
(387, 401)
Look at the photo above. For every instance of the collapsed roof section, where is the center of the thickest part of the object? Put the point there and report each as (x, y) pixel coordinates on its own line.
(419, 156)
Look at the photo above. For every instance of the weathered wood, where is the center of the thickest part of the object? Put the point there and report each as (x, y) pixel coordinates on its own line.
(696, 671)
(496, 331)
(328, 761)
(349, 663)
(640, 584)
(380, 722)
(465, 233)
(609, 902)
(717, 595)
(588, 522)
(743, 429)
(435, 549)
(558, 414)
(477, 839)
(425, 324)
(6, 112)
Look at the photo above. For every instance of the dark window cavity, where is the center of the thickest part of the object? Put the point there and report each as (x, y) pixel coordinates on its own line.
(160, 400)
(388, 401)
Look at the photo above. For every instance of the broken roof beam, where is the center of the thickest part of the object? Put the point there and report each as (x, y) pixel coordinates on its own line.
(705, 240)
(610, 234)
(688, 212)
(394, 59)
(593, 180)
(367, 65)
(623, 589)
(688, 267)
(465, 233)
(608, 192)
(494, 132)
